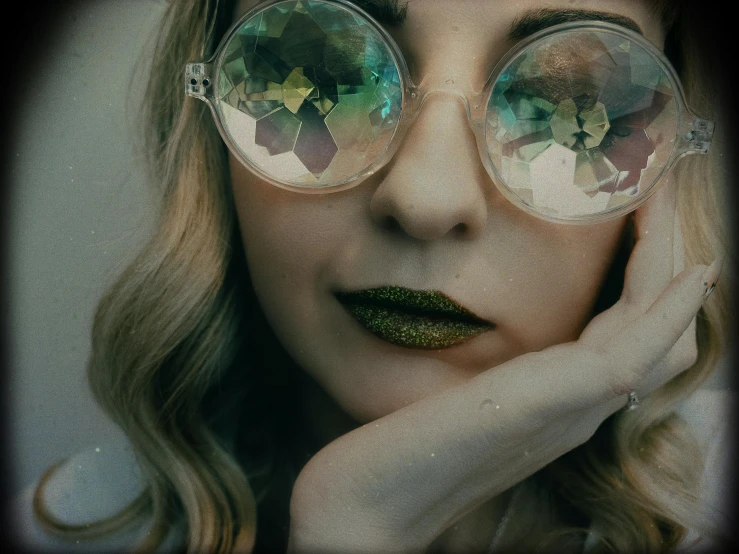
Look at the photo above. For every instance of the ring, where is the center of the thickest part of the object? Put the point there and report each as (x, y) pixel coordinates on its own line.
(632, 402)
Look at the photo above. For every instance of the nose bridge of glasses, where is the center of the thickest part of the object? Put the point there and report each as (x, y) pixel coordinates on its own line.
(445, 95)
(448, 89)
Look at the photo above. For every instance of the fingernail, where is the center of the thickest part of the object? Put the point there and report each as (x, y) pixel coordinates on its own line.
(708, 281)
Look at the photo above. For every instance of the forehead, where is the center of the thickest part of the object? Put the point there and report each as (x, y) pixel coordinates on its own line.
(494, 19)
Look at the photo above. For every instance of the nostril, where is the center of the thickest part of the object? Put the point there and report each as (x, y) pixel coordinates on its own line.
(460, 229)
(389, 223)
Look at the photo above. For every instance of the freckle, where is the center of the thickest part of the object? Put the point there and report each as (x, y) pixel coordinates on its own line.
(283, 275)
(330, 206)
(456, 276)
(455, 28)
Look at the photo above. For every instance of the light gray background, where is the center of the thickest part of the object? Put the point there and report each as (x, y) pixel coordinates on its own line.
(80, 209)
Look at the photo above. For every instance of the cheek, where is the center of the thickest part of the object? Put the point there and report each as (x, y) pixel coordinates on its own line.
(279, 238)
(280, 242)
(289, 245)
(561, 279)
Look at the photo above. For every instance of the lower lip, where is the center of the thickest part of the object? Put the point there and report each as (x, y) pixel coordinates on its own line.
(413, 330)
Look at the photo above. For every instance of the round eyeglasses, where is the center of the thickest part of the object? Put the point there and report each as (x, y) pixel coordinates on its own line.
(578, 123)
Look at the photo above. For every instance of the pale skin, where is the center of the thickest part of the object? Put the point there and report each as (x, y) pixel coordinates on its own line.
(417, 472)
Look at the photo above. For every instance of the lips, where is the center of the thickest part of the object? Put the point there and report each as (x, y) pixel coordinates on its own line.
(410, 318)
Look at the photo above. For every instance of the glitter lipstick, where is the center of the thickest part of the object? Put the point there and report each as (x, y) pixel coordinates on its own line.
(413, 318)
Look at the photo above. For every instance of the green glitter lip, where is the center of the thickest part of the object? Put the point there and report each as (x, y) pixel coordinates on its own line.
(427, 320)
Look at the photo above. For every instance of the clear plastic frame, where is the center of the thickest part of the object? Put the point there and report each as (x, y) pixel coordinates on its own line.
(578, 123)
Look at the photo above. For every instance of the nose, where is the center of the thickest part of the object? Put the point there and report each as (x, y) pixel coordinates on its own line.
(436, 183)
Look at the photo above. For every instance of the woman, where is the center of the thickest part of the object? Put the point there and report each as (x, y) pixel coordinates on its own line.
(412, 363)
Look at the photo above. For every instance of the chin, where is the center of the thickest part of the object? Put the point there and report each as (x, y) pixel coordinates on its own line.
(368, 384)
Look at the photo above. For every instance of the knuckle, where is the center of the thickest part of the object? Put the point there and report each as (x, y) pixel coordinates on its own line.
(635, 305)
(625, 378)
(620, 373)
(597, 356)
(622, 384)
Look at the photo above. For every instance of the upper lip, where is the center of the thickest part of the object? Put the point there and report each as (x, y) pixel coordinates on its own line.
(425, 303)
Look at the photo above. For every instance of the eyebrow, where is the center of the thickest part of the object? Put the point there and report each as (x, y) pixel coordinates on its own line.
(388, 12)
(535, 20)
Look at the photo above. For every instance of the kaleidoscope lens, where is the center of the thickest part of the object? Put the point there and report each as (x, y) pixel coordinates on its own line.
(581, 123)
(309, 93)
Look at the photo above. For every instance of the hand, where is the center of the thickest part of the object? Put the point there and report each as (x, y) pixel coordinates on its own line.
(397, 483)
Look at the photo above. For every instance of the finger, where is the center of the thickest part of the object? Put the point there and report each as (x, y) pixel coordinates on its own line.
(682, 356)
(632, 353)
(651, 266)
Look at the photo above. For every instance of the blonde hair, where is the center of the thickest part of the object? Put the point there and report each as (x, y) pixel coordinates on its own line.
(166, 339)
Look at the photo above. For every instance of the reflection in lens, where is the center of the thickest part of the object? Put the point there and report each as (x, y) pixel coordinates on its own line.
(309, 93)
(580, 123)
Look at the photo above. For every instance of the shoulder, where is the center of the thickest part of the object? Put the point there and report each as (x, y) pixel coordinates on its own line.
(93, 485)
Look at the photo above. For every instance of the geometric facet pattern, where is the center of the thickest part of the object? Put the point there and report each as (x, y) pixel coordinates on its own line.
(580, 122)
(321, 87)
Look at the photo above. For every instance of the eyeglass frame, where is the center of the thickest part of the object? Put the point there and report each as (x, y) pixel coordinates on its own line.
(694, 134)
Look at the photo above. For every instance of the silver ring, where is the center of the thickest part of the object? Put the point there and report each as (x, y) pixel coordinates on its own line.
(632, 402)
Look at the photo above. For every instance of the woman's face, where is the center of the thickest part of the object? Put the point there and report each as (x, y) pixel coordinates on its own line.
(432, 220)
